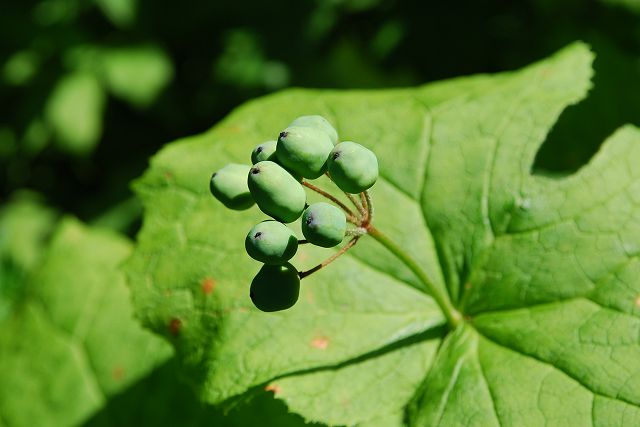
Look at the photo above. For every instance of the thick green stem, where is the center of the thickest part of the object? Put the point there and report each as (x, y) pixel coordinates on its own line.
(440, 297)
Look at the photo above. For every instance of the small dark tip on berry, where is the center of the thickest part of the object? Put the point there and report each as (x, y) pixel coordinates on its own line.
(214, 175)
(284, 134)
(336, 155)
(255, 171)
(257, 235)
(309, 219)
(259, 149)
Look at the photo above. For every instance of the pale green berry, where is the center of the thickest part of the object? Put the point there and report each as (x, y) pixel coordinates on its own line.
(353, 167)
(264, 151)
(324, 224)
(304, 150)
(229, 186)
(267, 151)
(317, 122)
(276, 192)
(275, 287)
(271, 242)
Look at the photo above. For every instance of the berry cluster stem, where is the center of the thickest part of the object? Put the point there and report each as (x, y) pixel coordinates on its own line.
(441, 298)
(329, 260)
(364, 224)
(366, 200)
(358, 206)
(351, 217)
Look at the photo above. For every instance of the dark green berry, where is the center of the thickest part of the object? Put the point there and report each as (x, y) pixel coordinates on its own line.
(353, 167)
(264, 151)
(317, 122)
(276, 191)
(271, 242)
(229, 186)
(324, 224)
(304, 150)
(275, 287)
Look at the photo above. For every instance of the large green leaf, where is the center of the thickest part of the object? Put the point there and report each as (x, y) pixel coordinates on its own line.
(544, 270)
(161, 399)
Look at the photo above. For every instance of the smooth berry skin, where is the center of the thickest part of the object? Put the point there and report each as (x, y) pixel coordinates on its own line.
(267, 151)
(229, 186)
(324, 225)
(319, 123)
(304, 150)
(276, 191)
(275, 287)
(353, 167)
(271, 242)
(264, 151)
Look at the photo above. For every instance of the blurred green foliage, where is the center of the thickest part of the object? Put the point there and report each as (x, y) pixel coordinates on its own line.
(25, 225)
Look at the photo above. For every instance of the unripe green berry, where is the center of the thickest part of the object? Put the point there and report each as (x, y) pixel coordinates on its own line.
(324, 224)
(229, 186)
(267, 151)
(276, 192)
(264, 151)
(317, 122)
(353, 167)
(304, 150)
(275, 287)
(271, 242)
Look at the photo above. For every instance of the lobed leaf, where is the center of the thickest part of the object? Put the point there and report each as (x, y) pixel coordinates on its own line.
(543, 269)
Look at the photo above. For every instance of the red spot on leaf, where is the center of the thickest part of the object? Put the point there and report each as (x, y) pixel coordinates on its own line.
(321, 343)
(232, 128)
(117, 373)
(275, 388)
(311, 299)
(168, 175)
(175, 325)
(208, 285)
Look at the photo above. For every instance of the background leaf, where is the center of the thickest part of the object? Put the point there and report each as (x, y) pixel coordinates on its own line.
(75, 316)
(633, 5)
(25, 225)
(136, 74)
(74, 111)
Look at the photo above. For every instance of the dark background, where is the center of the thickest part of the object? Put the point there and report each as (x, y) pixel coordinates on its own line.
(207, 57)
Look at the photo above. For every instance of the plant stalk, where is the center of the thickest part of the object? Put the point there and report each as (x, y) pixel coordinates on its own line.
(353, 241)
(351, 217)
(358, 206)
(441, 298)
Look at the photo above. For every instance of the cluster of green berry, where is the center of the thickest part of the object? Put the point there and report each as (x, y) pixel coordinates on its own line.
(305, 150)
